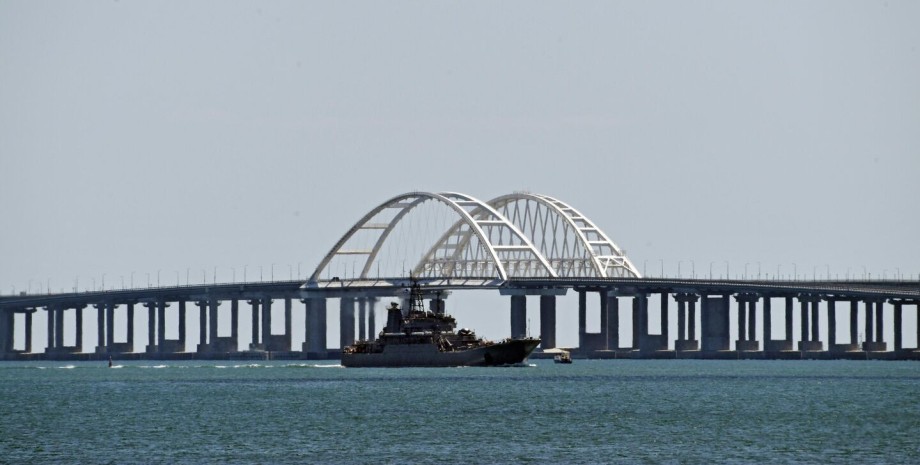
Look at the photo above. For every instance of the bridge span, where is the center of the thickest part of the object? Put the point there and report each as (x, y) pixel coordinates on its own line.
(519, 244)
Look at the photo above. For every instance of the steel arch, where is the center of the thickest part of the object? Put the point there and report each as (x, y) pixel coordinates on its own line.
(486, 225)
(591, 254)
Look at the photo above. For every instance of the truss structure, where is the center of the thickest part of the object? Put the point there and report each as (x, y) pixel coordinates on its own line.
(519, 235)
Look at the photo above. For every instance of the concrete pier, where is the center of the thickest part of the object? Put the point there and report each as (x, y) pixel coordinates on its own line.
(346, 321)
(314, 347)
(518, 316)
(686, 323)
(547, 321)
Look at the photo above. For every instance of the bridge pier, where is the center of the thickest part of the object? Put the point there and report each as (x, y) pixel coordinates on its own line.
(612, 324)
(518, 316)
(101, 347)
(715, 323)
(811, 340)
(235, 324)
(28, 324)
(898, 343)
(130, 332)
(686, 323)
(7, 321)
(151, 327)
(203, 346)
(371, 318)
(346, 321)
(547, 321)
(315, 331)
(266, 323)
(255, 343)
(874, 326)
(663, 342)
(747, 323)
(182, 328)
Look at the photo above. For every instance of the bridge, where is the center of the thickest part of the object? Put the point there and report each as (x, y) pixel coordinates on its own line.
(521, 245)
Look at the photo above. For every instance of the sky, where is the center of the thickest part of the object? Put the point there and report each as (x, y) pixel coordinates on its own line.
(154, 142)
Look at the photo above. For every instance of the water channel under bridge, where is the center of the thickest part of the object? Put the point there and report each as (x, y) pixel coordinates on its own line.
(520, 245)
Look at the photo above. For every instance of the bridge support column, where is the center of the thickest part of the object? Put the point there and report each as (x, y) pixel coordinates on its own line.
(213, 343)
(815, 334)
(161, 326)
(803, 323)
(691, 320)
(151, 326)
(612, 327)
(7, 322)
(646, 343)
(767, 322)
(255, 343)
(235, 324)
(28, 348)
(810, 337)
(182, 328)
(898, 343)
(110, 326)
(664, 321)
(78, 340)
(266, 323)
(100, 329)
(789, 309)
(101, 346)
(518, 316)
(880, 322)
(686, 323)
(203, 346)
(371, 318)
(59, 327)
(582, 320)
(747, 323)
(869, 338)
(681, 322)
(346, 321)
(287, 326)
(752, 319)
(362, 318)
(315, 321)
(715, 330)
(854, 322)
(50, 330)
(130, 333)
(547, 321)
(831, 323)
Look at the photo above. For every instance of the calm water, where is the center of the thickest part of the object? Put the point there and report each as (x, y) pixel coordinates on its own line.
(616, 411)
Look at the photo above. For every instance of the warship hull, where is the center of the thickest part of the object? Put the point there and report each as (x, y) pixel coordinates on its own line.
(509, 352)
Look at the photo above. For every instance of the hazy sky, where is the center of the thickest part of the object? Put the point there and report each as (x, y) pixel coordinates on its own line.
(159, 137)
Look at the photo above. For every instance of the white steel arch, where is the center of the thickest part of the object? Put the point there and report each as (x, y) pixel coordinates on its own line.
(572, 243)
(467, 248)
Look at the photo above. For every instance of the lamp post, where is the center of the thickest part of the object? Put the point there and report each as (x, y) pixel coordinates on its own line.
(103, 281)
(745, 271)
(273, 272)
(678, 267)
(662, 267)
(726, 270)
(710, 269)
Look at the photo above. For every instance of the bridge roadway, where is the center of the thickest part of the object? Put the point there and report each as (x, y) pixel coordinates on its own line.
(869, 298)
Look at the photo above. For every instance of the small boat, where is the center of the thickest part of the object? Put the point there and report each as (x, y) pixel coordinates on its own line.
(562, 357)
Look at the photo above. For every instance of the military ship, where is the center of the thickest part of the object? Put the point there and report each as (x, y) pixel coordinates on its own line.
(426, 338)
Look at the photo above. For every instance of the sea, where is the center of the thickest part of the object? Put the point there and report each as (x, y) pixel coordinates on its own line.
(592, 411)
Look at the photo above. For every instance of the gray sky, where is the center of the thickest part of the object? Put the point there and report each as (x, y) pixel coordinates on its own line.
(161, 137)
